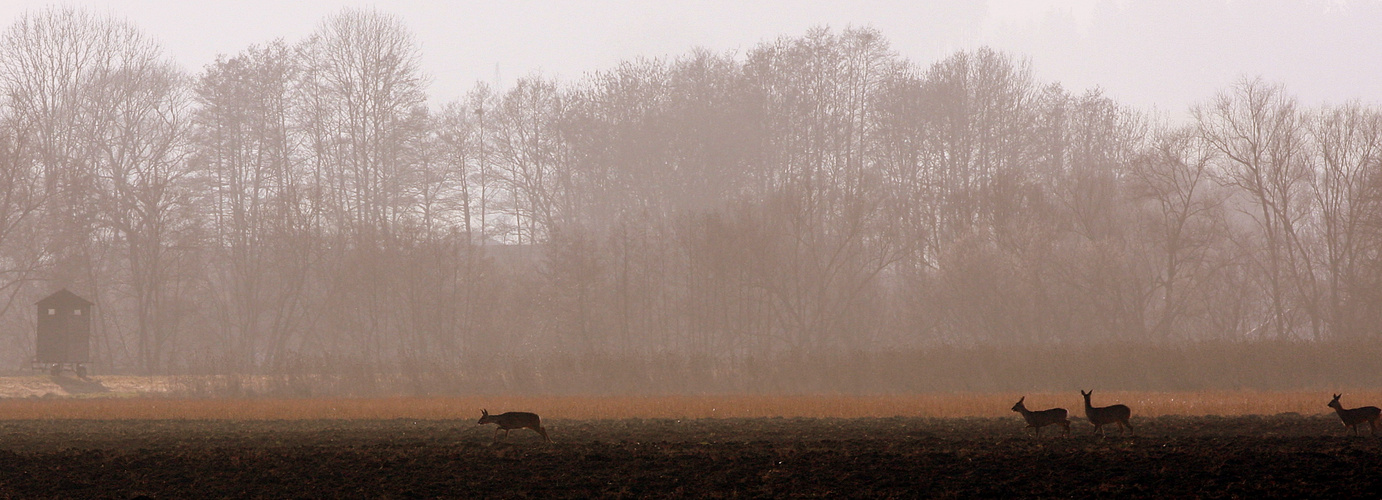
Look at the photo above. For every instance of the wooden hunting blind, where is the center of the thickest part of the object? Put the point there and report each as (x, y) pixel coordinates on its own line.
(64, 333)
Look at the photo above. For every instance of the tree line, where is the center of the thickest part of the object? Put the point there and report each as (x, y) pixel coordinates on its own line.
(301, 203)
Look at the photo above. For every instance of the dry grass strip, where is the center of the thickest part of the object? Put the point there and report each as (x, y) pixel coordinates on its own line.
(717, 406)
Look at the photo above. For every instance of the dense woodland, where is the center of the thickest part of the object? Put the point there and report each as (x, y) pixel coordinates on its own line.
(299, 207)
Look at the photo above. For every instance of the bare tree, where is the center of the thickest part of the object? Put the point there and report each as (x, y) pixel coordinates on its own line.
(1257, 130)
(459, 149)
(106, 117)
(1108, 279)
(52, 63)
(980, 109)
(22, 196)
(362, 97)
(363, 65)
(823, 234)
(528, 147)
(142, 165)
(246, 155)
(1345, 156)
(1184, 220)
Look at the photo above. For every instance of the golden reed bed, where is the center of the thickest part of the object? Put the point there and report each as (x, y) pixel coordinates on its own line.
(1144, 404)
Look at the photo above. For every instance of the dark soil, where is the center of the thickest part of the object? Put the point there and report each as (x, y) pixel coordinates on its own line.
(1213, 457)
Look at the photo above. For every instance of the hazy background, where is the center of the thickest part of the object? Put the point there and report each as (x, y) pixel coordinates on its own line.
(315, 198)
(1166, 54)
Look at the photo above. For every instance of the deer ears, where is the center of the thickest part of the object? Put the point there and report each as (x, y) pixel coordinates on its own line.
(1020, 400)
(484, 412)
(1336, 396)
(1082, 393)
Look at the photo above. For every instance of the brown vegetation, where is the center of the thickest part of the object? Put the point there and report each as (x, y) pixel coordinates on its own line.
(954, 405)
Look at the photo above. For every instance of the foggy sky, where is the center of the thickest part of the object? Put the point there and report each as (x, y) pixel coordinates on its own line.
(1166, 55)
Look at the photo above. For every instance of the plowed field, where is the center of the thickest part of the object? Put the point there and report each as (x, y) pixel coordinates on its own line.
(1284, 455)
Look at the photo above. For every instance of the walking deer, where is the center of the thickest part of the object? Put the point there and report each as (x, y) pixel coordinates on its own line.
(1042, 418)
(513, 420)
(1106, 415)
(1354, 416)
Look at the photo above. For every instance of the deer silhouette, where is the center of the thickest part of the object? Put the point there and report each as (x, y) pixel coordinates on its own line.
(1354, 416)
(1106, 415)
(1042, 418)
(513, 420)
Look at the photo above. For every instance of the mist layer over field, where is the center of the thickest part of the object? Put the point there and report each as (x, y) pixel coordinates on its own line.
(816, 214)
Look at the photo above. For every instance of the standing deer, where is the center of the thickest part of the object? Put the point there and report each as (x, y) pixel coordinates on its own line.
(1106, 415)
(513, 420)
(1354, 416)
(1038, 419)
